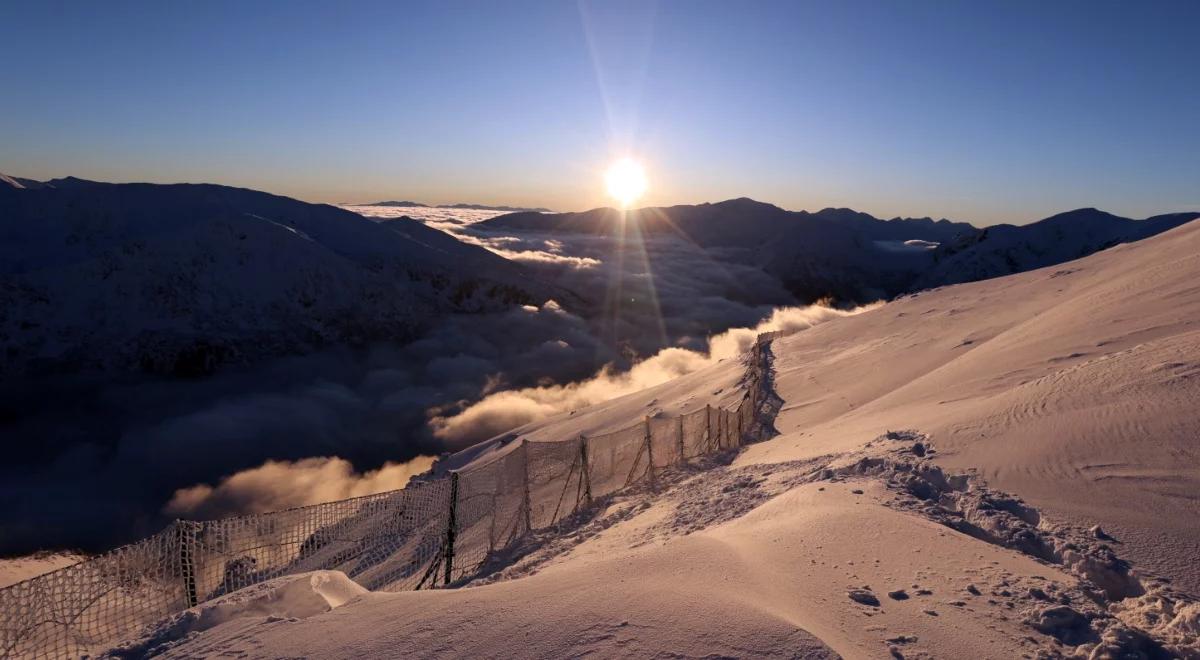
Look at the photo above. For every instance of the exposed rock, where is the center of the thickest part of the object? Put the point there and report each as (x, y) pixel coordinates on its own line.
(863, 596)
(1063, 623)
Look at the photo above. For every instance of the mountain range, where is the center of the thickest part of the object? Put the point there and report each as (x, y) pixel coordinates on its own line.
(179, 279)
(848, 256)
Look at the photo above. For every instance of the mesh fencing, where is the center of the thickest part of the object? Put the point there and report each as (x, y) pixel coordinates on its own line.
(94, 604)
(490, 512)
(432, 533)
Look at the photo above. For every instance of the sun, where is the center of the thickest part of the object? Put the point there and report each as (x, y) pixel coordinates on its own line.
(626, 181)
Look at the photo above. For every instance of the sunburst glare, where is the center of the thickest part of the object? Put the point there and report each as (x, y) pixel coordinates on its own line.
(626, 181)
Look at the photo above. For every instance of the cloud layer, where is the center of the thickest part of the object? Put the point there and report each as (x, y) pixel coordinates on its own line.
(277, 485)
(501, 411)
(93, 464)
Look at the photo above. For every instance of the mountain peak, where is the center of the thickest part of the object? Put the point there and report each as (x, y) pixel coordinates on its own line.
(401, 203)
(1083, 215)
(746, 203)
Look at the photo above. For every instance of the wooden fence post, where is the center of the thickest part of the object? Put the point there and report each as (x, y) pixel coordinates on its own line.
(741, 438)
(525, 496)
(720, 429)
(708, 438)
(587, 473)
(679, 433)
(649, 455)
(451, 527)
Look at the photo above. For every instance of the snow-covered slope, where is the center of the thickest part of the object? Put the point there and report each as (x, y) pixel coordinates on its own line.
(182, 278)
(1073, 386)
(1049, 436)
(17, 569)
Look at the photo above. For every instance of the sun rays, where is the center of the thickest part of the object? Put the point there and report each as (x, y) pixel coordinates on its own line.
(626, 181)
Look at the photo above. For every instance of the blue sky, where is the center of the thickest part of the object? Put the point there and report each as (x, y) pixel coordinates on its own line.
(980, 111)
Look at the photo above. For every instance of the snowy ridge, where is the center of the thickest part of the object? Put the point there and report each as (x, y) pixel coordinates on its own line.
(180, 279)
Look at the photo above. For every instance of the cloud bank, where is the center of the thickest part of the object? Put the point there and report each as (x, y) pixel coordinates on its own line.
(279, 485)
(501, 411)
(92, 463)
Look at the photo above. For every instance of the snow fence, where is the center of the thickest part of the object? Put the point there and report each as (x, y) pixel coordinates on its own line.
(432, 533)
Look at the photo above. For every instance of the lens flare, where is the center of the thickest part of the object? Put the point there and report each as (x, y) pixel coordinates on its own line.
(626, 181)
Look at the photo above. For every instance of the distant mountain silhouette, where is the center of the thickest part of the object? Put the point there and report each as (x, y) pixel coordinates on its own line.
(402, 204)
(853, 256)
(468, 207)
(831, 253)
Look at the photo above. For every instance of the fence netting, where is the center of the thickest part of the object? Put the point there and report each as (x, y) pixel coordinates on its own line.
(432, 533)
(490, 511)
(94, 604)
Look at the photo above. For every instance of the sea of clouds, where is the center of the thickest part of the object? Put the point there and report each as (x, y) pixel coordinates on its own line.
(342, 423)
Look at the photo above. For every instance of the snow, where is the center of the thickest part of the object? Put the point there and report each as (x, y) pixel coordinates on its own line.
(10, 181)
(914, 245)
(17, 569)
(285, 599)
(1008, 467)
(1072, 386)
(985, 443)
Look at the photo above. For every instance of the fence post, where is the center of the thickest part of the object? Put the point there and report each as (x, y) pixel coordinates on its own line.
(708, 438)
(450, 527)
(649, 455)
(525, 495)
(720, 429)
(587, 474)
(187, 559)
(679, 433)
(740, 438)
